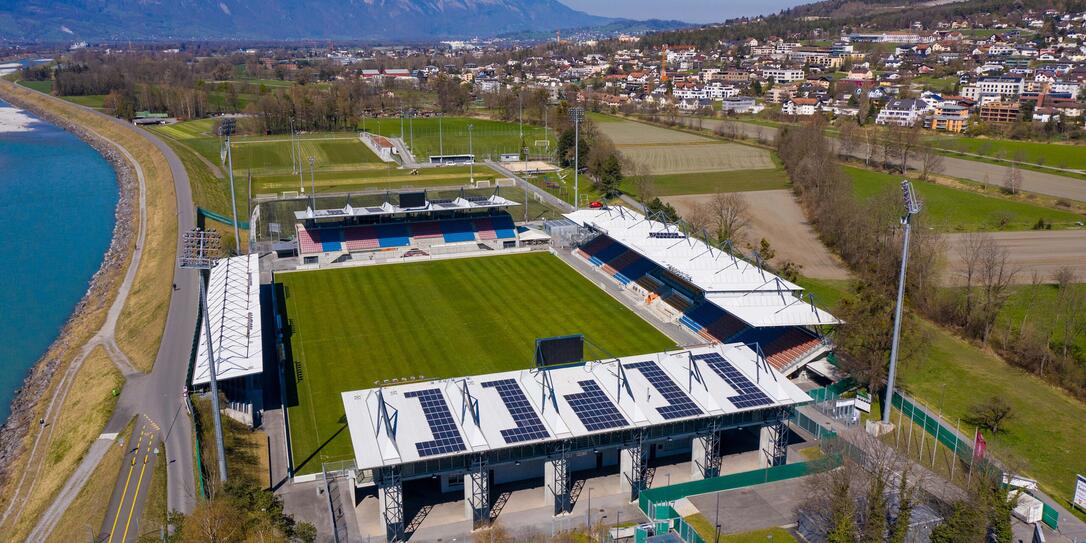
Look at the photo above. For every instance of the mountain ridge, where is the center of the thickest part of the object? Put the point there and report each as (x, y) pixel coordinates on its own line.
(362, 20)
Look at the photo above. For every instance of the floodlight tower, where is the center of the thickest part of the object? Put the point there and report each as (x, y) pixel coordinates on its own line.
(198, 250)
(226, 129)
(577, 114)
(471, 152)
(912, 207)
(312, 184)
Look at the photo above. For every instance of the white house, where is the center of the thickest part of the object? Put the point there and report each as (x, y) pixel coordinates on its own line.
(902, 112)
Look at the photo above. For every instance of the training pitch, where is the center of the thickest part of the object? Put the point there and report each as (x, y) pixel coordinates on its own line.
(352, 326)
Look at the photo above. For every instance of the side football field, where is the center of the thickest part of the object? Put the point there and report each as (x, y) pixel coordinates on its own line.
(349, 327)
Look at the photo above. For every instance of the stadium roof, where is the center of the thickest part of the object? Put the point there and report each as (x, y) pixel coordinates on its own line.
(426, 420)
(233, 306)
(738, 286)
(388, 208)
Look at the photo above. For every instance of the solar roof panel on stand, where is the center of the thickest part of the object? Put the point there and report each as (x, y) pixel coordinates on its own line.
(594, 408)
(749, 393)
(679, 404)
(446, 436)
(529, 427)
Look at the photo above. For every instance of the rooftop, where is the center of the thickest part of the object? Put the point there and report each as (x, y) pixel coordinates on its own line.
(233, 306)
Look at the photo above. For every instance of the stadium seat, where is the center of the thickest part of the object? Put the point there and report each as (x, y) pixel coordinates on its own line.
(309, 241)
(331, 240)
(457, 230)
(426, 230)
(360, 237)
(485, 229)
(393, 235)
(504, 227)
(782, 347)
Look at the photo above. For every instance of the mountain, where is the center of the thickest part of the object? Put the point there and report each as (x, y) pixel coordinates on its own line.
(365, 20)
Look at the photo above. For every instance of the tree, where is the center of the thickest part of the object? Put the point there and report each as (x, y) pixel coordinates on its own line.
(906, 502)
(1070, 303)
(666, 211)
(643, 185)
(964, 524)
(931, 161)
(843, 515)
(851, 138)
(991, 414)
(999, 514)
(610, 177)
(874, 529)
(1012, 180)
(727, 215)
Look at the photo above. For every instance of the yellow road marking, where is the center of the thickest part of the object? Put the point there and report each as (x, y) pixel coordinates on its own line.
(135, 496)
(120, 503)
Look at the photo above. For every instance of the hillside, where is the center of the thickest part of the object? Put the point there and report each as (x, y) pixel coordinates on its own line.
(370, 20)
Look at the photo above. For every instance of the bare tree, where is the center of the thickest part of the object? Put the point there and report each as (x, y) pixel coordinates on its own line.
(1012, 180)
(988, 279)
(931, 161)
(850, 139)
(1070, 303)
(727, 215)
(640, 179)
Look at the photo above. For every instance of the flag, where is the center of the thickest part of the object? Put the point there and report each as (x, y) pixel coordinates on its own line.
(980, 447)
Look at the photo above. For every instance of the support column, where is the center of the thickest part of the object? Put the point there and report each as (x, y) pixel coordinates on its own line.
(773, 442)
(556, 484)
(390, 499)
(477, 493)
(704, 460)
(632, 470)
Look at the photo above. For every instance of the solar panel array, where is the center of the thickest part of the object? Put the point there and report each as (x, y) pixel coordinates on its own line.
(446, 436)
(529, 426)
(594, 408)
(749, 393)
(666, 235)
(679, 404)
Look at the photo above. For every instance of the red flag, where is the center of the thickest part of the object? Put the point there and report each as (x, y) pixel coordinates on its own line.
(980, 447)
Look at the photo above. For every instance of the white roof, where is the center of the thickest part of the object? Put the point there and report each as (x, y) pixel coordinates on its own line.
(388, 208)
(388, 425)
(738, 286)
(233, 306)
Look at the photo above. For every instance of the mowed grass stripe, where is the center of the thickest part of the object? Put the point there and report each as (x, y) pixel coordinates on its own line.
(439, 319)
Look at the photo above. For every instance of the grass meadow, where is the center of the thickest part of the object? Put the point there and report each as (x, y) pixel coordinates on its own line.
(352, 326)
(434, 135)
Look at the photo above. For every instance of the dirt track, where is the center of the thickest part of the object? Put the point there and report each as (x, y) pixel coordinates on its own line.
(776, 216)
(1042, 252)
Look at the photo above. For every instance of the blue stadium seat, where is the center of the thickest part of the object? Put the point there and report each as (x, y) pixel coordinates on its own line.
(637, 268)
(457, 231)
(331, 240)
(393, 235)
(610, 252)
(504, 227)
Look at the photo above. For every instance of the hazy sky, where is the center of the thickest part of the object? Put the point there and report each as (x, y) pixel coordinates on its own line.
(693, 11)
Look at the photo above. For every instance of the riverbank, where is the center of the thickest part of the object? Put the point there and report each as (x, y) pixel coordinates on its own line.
(35, 395)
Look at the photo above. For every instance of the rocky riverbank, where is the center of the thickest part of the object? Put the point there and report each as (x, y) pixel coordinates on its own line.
(91, 309)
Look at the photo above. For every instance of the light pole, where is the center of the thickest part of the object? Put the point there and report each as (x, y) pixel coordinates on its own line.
(312, 184)
(441, 137)
(588, 514)
(576, 113)
(912, 207)
(471, 151)
(198, 250)
(226, 129)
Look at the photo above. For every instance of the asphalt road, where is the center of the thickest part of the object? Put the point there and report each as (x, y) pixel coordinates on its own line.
(980, 172)
(157, 395)
(121, 523)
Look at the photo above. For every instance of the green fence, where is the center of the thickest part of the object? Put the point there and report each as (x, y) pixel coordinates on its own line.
(686, 532)
(1050, 516)
(220, 218)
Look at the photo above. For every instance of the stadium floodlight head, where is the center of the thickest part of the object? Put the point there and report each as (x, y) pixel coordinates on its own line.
(226, 127)
(199, 249)
(912, 204)
(576, 114)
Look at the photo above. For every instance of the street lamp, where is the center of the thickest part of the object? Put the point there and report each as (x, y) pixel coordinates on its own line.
(912, 207)
(226, 129)
(577, 114)
(198, 250)
(471, 164)
(312, 184)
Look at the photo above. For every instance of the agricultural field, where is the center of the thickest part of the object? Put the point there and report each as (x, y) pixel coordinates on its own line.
(449, 135)
(712, 182)
(1058, 155)
(438, 319)
(954, 210)
(626, 132)
(697, 157)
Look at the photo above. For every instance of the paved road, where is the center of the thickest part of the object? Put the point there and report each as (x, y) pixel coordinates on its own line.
(980, 172)
(121, 523)
(156, 395)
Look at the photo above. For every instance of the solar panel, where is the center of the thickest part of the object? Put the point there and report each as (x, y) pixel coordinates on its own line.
(594, 409)
(441, 201)
(666, 235)
(446, 436)
(529, 426)
(679, 404)
(375, 209)
(749, 393)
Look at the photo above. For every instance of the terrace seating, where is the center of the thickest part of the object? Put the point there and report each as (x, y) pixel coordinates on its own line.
(425, 230)
(782, 347)
(392, 235)
(725, 327)
(309, 241)
(593, 248)
(651, 284)
(457, 231)
(638, 268)
(678, 301)
(360, 237)
(504, 227)
(485, 229)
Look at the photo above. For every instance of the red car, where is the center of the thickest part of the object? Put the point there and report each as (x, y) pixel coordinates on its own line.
(596, 205)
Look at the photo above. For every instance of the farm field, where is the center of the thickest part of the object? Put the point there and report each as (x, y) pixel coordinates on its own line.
(434, 135)
(438, 319)
(712, 182)
(1059, 155)
(695, 157)
(953, 210)
(1036, 251)
(627, 132)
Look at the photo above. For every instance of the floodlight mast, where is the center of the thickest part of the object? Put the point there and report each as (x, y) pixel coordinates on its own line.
(198, 248)
(577, 114)
(912, 207)
(226, 129)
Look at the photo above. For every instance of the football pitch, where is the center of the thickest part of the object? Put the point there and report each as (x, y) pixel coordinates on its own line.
(349, 327)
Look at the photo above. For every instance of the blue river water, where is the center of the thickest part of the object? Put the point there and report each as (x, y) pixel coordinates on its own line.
(57, 199)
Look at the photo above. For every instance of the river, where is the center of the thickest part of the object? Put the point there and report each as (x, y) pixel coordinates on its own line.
(57, 201)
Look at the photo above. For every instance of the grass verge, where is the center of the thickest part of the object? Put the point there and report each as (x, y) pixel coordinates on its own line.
(704, 527)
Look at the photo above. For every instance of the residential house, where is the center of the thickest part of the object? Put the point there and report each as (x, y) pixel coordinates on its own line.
(902, 112)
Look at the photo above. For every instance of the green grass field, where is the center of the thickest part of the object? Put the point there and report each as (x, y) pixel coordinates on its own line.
(40, 86)
(951, 210)
(1042, 440)
(488, 139)
(352, 326)
(1059, 155)
(1039, 303)
(710, 182)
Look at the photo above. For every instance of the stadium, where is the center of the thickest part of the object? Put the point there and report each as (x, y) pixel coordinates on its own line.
(428, 345)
